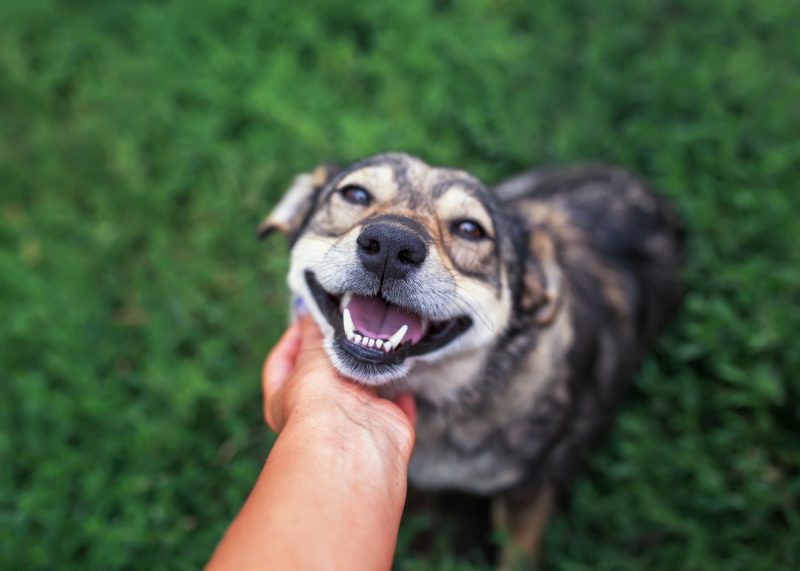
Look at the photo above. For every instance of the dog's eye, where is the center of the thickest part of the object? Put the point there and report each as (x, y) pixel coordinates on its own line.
(356, 195)
(469, 230)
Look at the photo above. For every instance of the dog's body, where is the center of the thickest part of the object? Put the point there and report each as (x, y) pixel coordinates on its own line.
(527, 308)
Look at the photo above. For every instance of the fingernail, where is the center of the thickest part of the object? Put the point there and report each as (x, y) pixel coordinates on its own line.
(299, 308)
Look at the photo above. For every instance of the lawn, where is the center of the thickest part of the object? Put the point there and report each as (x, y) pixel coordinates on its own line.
(141, 143)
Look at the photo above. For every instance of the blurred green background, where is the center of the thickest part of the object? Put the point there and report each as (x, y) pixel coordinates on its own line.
(141, 142)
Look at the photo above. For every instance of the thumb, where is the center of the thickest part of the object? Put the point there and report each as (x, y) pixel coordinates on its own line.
(313, 356)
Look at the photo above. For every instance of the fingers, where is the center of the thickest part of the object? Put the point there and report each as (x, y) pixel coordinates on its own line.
(311, 337)
(312, 353)
(278, 367)
(300, 345)
(281, 360)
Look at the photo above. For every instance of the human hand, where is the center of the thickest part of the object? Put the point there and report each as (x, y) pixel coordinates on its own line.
(333, 487)
(300, 384)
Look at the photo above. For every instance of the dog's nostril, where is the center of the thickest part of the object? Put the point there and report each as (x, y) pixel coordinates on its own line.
(411, 257)
(368, 245)
(374, 247)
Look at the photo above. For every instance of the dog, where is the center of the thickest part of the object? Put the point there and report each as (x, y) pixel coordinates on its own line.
(515, 315)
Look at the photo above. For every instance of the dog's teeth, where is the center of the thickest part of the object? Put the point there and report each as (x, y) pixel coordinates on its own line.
(365, 341)
(372, 343)
(378, 343)
(347, 322)
(397, 338)
(387, 346)
(346, 300)
(357, 339)
(425, 324)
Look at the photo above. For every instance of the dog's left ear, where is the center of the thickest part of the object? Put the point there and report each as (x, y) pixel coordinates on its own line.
(290, 214)
(543, 280)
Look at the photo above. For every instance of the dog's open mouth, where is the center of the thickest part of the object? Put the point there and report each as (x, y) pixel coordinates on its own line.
(375, 330)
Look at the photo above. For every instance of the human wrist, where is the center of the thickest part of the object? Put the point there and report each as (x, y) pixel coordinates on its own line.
(348, 427)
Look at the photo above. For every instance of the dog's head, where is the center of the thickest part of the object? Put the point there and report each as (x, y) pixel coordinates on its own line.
(401, 262)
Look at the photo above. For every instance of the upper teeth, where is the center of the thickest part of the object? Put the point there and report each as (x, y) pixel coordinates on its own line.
(363, 340)
(347, 321)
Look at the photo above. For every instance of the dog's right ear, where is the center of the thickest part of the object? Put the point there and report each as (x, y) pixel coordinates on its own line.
(543, 281)
(290, 214)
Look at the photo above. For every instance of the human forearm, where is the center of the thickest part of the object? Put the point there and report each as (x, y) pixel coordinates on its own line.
(301, 513)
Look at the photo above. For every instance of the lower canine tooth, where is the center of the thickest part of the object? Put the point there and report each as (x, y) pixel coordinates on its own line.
(397, 338)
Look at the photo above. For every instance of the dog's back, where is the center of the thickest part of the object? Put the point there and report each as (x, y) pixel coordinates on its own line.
(620, 247)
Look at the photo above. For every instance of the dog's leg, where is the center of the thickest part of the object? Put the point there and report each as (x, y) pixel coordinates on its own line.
(522, 516)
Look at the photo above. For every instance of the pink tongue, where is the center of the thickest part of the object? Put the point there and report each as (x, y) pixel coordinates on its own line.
(373, 318)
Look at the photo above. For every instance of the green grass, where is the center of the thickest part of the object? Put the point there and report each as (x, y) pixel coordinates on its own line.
(141, 143)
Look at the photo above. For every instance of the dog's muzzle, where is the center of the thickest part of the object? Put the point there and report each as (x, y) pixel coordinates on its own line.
(376, 321)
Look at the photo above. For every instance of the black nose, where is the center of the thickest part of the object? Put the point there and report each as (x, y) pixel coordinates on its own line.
(389, 250)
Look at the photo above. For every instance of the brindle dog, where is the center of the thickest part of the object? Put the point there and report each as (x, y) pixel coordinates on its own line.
(515, 315)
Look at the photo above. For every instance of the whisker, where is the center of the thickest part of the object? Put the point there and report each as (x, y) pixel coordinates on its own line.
(487, 322)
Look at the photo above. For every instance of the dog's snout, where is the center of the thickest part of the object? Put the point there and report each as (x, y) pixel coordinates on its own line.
(389, 250)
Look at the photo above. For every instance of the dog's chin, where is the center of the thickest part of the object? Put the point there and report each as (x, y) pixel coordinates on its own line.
(372, 340)
(365, 371)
